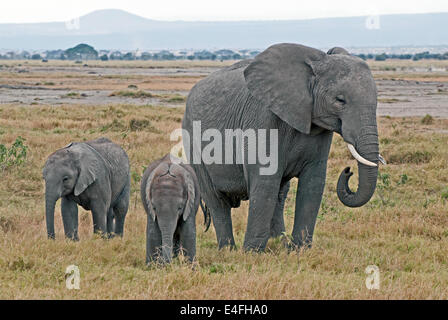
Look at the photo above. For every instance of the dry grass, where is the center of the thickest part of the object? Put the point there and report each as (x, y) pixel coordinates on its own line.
(392, 100)
(138, 94)
(403, 229)
(80, 81)
(397, 64)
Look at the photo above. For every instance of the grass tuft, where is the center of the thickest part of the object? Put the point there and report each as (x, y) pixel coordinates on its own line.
(427, 119)
(131, 94)
(416, 157)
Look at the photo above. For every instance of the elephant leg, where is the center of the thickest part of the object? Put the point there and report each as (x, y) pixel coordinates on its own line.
(188, 239)
(100, 214)
(278, 222)
(222, 221)
(69, 210)
(262, 203)
(110, 223)
(176, 245)
(120, 211)
(309, 196)
(153, 241)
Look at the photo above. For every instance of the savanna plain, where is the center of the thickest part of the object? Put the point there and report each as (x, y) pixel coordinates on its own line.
(403, 229)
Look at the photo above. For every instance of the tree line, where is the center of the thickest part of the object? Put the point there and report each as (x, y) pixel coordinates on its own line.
(87, 52)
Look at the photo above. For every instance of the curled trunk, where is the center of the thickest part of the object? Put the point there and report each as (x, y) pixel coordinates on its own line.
(367, 147)
(366, 186)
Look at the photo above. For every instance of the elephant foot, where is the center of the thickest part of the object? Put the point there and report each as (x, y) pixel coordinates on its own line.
(255, 249)
(296, 246)
(227, 246)
(277, 232)
(256, 244)
(72, 237)
(111, 235)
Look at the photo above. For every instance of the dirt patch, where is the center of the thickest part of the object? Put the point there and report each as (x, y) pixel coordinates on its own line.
(402, 98)
(408, 91)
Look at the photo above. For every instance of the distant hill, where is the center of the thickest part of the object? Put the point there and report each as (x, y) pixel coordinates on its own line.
(117, 29)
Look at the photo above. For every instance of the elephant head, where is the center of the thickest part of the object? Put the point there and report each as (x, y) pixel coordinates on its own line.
(170, 198)
(308, 88)
(69, 170)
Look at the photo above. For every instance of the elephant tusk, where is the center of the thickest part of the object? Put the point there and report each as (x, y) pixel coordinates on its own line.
(356, 155)
(382, 160)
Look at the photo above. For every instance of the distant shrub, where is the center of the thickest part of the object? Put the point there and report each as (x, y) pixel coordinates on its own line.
(138, 125)
(116, 125)
(428, 119)
(14, 155)
(177, 98)
(131, 94)
(403, 179)
(72, 95)
(445, 193)
(142, 124)
(381, 57)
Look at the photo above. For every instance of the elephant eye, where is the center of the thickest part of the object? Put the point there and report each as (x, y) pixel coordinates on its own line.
(340, 98)
(65, 178)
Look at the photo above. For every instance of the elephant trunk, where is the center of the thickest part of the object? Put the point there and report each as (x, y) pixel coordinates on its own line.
(367, 154)
(50, 202)
(167, 248)
(167, 242)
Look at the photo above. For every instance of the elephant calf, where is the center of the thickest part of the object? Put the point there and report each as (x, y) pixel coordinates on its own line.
(93, 174)
(170, 196)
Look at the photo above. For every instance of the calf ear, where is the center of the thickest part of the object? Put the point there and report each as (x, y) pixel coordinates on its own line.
(89, 166)
(157, 170)
(282, 78)
(148, 194)
(191, 193)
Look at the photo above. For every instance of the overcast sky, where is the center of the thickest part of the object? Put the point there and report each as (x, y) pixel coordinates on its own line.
(19, 11)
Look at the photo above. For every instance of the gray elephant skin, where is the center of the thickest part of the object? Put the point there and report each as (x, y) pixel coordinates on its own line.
(170, 195)
(93, 174)
(305, 94)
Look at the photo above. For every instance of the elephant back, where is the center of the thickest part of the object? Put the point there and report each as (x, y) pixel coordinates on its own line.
(117, 160)
(217, 95)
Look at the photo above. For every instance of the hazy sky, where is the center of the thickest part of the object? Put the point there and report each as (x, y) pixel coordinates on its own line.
(63, 10)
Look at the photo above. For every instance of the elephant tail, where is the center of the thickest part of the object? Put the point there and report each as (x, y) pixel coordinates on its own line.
(207, 217)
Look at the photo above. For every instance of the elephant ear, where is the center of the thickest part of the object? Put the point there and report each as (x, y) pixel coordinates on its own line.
(148, 195)
(191, 193)
(282, 76)
(89, 164)
(338, 50)
(162, 167)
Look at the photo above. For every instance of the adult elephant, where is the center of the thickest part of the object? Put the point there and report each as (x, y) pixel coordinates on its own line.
(305, 94)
